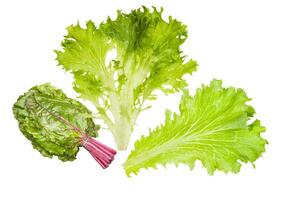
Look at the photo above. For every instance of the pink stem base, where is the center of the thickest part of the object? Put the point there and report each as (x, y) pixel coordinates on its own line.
(103, 154)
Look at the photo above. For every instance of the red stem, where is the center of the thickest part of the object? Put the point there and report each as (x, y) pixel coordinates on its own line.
(99, 162)
(101, 146)
(103, 154)
(100, 155)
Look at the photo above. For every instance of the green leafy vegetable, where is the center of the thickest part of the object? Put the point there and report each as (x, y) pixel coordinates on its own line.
(213, 127)
(57, 125)
(148, 58)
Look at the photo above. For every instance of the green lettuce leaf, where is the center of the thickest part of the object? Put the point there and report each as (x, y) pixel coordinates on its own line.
(148, 58)
(53, 122)
(215, 127)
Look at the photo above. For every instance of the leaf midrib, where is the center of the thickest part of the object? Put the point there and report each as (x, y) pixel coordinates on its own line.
(59, 117)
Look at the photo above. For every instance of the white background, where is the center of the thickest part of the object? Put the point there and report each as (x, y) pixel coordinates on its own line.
(244, 43)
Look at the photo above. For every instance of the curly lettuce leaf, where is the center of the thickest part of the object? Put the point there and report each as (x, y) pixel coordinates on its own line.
(148, 58)
(53, 122)
(212, 127)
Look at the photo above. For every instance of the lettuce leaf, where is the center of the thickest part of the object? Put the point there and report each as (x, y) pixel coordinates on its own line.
(215, 127)
(54, 123)
(148, 58)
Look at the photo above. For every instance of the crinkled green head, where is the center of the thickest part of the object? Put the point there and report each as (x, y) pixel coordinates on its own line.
(53, 122)
(121, 63)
